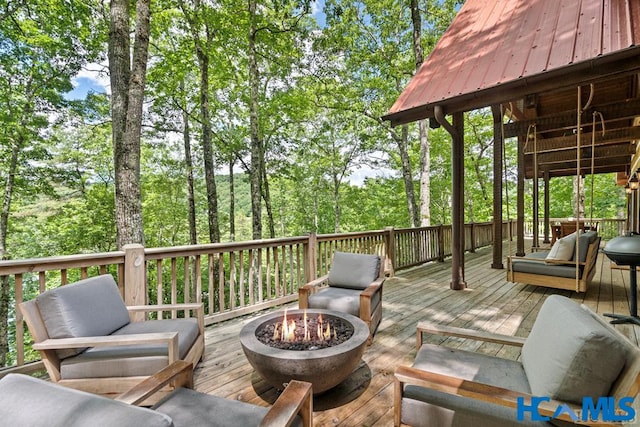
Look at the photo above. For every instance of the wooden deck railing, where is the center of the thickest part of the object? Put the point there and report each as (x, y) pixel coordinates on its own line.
(608, 228)
(230, 279)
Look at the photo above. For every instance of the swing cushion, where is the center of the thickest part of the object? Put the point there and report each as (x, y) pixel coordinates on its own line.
(562, 249)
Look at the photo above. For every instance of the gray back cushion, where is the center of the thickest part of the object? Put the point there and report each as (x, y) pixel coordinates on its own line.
(569, 354)
(89, 307)
(582, 246)
(354, 271)
(27, 401)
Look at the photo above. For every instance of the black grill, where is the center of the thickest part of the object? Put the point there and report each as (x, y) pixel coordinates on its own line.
(625, 250)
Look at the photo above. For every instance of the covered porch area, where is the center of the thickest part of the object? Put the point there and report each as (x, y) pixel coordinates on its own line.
(421, 293)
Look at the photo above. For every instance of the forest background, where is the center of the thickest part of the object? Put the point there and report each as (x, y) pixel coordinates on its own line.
(303, 83)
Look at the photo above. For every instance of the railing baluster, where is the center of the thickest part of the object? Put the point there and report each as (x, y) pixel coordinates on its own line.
(187, 283)
(174, 286)
(276, 273)
(221, 283)
(268, 276)
(159, 287)
(196, 268)
(232, 280)
(251, 274)
(242, 287)
(260, 284)
(42, 282)
(19, 322)
(210, 285)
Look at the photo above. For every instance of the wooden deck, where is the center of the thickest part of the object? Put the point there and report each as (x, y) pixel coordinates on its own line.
(366, 397)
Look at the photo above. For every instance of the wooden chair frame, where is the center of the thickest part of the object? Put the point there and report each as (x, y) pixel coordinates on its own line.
(296, 399)
(370, 315)
(550, 281)
(627, 384)
(109, 386)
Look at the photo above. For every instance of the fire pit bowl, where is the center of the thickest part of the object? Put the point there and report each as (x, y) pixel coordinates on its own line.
(324, 368)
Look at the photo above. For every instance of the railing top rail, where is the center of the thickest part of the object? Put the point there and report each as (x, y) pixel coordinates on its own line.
(351, 235)
(585, 219)
(189, 250)
(19, 266)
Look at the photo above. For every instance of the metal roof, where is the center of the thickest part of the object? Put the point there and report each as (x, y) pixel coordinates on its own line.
(497, 51)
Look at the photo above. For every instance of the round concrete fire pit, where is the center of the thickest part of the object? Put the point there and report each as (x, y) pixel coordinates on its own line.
(324, 368)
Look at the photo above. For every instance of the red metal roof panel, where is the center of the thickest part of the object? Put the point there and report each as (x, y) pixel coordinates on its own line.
(493, 42)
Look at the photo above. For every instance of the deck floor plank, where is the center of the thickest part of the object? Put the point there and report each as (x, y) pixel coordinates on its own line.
(421, 293)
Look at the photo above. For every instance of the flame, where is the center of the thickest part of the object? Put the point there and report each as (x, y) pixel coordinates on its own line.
(307, 336)
(286, 331)
(327, 333)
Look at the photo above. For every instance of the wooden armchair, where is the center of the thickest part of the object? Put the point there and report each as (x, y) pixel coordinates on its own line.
(28, 401)
(354, 286)
(87, 341)
(570, 353)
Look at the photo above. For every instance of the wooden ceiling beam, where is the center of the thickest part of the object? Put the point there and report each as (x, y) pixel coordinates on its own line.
(563, 143)
(600, 153)
(626, 109)
(569, 169)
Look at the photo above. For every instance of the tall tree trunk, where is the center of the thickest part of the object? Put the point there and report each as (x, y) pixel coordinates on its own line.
(256, 143)
(207, 151)
(5, 284)
(202, 53)
(267, 201)
(336, 204)
(188, 161)
(407, 176)
(425, 155)
(232, 201)
(127, 87)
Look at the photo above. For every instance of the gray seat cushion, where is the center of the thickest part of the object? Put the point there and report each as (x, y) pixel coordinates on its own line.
(188, 408)
(533, 266)
(134, 360)
(569, 354)
(426, 407)
(27, 401)
(355, 271)
(89, 307)
(340, 299)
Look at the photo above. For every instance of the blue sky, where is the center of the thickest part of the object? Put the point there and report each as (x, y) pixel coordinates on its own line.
(83, 85)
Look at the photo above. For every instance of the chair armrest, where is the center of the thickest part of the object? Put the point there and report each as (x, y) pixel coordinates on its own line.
(316, 282)
(166, 307)
(452, 331)
(296, 398)
(305, 291)
(169, 338)
(370, 290)
(179, 373)
(478, 391)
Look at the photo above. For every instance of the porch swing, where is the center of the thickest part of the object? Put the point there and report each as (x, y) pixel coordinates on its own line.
(570, 263)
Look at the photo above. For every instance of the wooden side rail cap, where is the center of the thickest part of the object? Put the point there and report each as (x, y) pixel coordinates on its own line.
(296, 398)
(179, 373)
(452, 331)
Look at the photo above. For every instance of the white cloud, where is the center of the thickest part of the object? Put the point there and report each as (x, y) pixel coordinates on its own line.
(96, 73)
